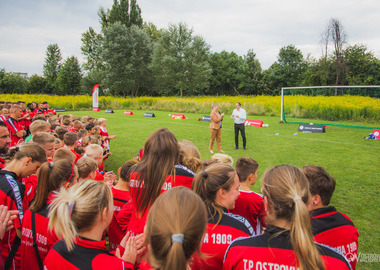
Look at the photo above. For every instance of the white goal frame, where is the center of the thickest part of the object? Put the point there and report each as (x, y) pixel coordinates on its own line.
(318, 87)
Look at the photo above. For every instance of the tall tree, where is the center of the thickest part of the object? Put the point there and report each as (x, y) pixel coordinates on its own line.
(69, 77)
(338, 37)
(127, 55)
(254, 70)
(180, 61)
(288, 70)
(123, 11)
(37, 85)
(52, 64)
(91, 48)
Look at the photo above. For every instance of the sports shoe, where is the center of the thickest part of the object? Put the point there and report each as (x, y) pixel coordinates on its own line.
(221, 151)
(236, 147)
(212, 152)
(245, 148)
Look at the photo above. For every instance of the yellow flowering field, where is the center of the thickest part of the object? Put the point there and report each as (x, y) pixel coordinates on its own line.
(355, 108)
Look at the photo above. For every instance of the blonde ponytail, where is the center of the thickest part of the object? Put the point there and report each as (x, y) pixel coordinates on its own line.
(287, 191)
(75, 210)
(174, 228)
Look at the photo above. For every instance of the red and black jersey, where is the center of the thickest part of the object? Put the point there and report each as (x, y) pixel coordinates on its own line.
(250, 205)
(219, 236)
(104, 133)
(77, 156)
(14, 126)
(335, 230)
(115, 231)
(44, 238)
(30, 183)
(87, 254)
(182, 177)
(11, 195)
(273, 250)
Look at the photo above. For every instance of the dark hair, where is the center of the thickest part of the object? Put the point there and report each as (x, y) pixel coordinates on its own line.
(61, 131)
(51, 176)
(320, 182)
(126, 169)
(207, 183)
(70, 138)
(45, 102)
(161, 152)
(53, 127)
(2, 124)
(238, 103)
(244, 167)
(89, 127)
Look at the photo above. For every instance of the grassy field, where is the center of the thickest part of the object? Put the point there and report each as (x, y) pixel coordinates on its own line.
(353, 161)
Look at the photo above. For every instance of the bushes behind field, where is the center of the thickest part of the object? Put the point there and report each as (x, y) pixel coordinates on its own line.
(340, 108)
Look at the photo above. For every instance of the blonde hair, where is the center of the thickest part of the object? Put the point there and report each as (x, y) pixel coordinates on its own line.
(31, 150)
(43, 138)
(94, 151)
(189, 156)
(38, 125)
(64, 153)
(287, 191)
(86, 166)
(223, 158)
(87, 199)
(101, 120)
(177, 211)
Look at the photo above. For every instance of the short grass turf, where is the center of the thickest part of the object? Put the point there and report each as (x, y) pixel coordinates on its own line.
(352, 160)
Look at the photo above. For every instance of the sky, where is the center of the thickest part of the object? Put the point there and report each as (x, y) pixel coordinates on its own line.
(28, 27)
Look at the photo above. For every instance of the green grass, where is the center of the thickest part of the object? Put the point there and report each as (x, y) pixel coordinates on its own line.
(353, 161)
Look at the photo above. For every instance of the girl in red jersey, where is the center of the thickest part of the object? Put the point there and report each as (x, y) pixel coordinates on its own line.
(175, 234)
(36, 239)
(121, 196)
(287, 242)
(25, 159)
(218, 186)
(80, 215)
(153, 175)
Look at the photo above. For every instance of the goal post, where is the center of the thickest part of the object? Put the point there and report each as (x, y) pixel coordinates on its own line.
(283, 117)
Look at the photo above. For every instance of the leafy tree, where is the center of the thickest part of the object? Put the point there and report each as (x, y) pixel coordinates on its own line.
(127, 55)
(124, 12)
(12, 83)
(287, 71)
(90, 79)
(37, 84)
(69, 77)
(152, 31)
(229, 73)
(52, 64)
(180, 61)
(91, 49)
(253, 67)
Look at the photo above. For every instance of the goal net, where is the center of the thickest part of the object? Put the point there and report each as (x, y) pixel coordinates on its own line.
(297, 102)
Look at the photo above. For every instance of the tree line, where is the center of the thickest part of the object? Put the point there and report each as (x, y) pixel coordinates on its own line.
(130, 57)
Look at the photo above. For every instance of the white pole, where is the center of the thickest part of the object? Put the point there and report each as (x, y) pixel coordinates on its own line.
(282, 105)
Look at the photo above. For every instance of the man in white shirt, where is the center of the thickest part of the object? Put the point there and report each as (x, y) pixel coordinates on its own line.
(239, 115)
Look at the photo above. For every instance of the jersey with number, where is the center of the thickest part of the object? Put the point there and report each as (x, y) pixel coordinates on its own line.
(219, 236)
(87, 254)
(273, 250)
(250, 205)
(182, 177)
(45, 238)
(335, 230)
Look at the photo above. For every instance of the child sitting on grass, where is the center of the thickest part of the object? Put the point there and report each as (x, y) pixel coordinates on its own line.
(249, 204)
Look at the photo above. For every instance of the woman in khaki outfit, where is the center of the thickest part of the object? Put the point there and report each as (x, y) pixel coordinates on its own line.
(215, 128)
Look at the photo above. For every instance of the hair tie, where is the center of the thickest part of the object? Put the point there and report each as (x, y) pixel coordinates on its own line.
(178, 238)
(204, 173)
(51, 165)
(17, 148)
(72, 172)
(71, 207)
(296, 198)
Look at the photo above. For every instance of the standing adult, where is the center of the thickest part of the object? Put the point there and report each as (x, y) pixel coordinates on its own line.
(15, 129)
(4, 142)
(215, 128)
(239, 115)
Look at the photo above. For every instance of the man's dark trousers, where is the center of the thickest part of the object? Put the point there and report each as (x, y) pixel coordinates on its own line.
(240, 127)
